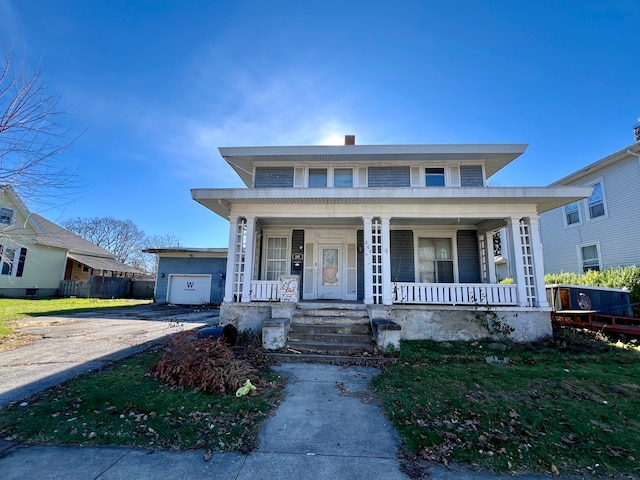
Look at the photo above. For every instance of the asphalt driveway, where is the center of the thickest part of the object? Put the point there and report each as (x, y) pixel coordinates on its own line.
(66, 346)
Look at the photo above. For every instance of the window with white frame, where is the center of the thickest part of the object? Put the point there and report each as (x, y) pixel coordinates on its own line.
(6, 216)
(572, 214)
(596, 201)
(9, 261)
(434, 177)
(317, 177)
(343, 177)
(276, 259)
(435, 260)
(590, 258)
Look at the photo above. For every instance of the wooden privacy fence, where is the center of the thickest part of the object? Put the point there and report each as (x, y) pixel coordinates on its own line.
(105, 287)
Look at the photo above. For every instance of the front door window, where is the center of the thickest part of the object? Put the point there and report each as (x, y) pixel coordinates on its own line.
(330, 272)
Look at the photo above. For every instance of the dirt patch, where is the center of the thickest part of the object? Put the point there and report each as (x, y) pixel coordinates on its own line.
(17, 340)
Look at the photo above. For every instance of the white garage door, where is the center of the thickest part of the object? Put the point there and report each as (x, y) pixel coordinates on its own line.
(189, 289)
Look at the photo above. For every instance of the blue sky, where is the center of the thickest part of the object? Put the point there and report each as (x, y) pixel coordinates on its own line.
(154, 87)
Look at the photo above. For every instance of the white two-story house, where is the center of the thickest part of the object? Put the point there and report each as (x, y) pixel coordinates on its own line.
(404, 229)
(603, 230)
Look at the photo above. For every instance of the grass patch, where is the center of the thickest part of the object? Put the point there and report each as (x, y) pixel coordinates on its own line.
(12, 309)
(567, 407)
(124, 405)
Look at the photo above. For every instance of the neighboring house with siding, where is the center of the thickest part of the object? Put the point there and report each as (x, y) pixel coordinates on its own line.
(603, 230)
(190, 276)
(404, 230)
(36, 254)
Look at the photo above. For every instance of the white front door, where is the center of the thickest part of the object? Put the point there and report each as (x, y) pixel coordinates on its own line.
(330, 271)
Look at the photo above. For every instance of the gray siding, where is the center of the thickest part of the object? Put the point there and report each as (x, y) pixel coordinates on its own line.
(402, 258)
(618, 234)
(186, 266)
(468, 257)
(389, 177)
(273, 177)
(471, 176)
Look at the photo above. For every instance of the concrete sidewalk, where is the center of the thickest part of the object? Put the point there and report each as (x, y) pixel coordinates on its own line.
(329, 426)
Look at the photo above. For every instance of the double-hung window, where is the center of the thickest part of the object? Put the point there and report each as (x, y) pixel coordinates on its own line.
(276, 263)
(590, 258)
(6, 216)
(435, 177)
(596, 201)
(572, 214)
(435, 261)
(8, 261)
(317, 177)
(343, 177)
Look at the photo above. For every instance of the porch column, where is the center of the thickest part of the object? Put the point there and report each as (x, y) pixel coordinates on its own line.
(248, 259)
(387, 294)
(515, 259)
(368, 259)
(231, 259)
(538, 262)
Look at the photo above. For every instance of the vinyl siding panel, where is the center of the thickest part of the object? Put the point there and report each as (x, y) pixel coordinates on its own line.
(471, 176)
(297, 241)
(402, 258)
(274, 177)
(468, 257)
(618, 233)
(186, 266)
(389, 177)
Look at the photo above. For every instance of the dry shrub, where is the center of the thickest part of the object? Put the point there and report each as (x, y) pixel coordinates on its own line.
(204, 364)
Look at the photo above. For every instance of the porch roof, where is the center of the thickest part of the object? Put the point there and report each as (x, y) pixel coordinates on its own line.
(221, 200)
(493, 156)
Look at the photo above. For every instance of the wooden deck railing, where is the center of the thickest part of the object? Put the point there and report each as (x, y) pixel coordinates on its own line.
(455, 293)
(265, 290)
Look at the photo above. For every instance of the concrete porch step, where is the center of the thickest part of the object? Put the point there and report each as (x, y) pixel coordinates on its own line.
(327, 328)
(333, 359)
(313, 346)
(331, 337)
(309, 319)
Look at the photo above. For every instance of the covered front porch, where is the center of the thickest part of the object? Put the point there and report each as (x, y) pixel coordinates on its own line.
(385, 261)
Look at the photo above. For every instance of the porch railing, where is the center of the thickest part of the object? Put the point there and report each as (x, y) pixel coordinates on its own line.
(265, 290)
(455, 293)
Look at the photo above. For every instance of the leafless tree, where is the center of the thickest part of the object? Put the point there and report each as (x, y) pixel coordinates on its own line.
(31, 137)
(122, 238)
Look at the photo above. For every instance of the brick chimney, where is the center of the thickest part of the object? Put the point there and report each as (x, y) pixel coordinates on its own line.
(636, 131)
(351, 139)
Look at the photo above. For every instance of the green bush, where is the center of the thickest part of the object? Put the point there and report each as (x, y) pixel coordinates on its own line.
(620, 277)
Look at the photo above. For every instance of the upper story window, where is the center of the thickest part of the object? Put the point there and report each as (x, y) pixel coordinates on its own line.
(317, 177)
(572, 214)
(273, 177)
(6, 216)
(596, 201)
(471, 176)
(435, 177)
(343, 177)
(389, 177)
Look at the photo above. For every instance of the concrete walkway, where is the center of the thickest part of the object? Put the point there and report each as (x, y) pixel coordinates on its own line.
(329, 426)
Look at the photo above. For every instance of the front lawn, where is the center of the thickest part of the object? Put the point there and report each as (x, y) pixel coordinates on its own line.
(126, 405)
(569, 407)
(12, 309)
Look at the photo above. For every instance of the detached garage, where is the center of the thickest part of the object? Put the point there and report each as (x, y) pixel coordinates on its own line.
(190, 276)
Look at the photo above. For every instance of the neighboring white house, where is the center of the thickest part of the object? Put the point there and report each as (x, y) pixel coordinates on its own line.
(603, 230)
(406, 230)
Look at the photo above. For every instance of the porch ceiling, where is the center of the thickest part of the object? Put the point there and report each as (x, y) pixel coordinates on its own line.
(221, 200)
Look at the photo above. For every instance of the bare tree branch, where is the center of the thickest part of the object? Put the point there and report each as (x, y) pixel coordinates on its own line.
(31, 136)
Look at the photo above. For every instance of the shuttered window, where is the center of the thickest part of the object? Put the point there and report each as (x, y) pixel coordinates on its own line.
(435, 177)
(317, 177)
(274, 177)
(435, 263)
(471, 176)
(389, 177)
